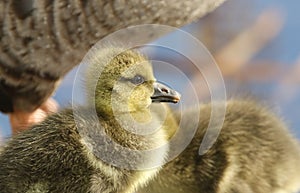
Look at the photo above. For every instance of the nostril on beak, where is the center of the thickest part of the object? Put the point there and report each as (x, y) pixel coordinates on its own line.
(162, 93)
(165, 90)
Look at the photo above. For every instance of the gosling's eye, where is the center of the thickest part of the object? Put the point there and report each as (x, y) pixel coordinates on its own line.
(138, 79)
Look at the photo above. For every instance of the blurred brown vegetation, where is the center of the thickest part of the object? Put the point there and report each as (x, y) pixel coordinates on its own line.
(235, 34)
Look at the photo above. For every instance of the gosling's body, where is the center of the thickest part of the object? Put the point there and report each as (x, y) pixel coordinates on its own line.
(254, 153)
(64, 153)
(53, 157)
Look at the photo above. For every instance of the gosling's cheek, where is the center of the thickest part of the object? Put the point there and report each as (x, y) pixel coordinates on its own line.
(148, 102)
(134, 101)
(145, 99)
(139, 99)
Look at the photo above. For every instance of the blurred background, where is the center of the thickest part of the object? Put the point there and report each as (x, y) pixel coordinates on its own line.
(256, 45)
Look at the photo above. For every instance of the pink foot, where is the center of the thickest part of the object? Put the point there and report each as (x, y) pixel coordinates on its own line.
(20, 121)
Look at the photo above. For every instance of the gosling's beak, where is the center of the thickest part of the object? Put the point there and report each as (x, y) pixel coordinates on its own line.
(162, 93)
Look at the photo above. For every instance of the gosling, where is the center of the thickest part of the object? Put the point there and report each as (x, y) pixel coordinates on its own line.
(63, 153)
(254, 153)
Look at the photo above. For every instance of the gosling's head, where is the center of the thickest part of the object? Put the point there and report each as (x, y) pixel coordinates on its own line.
(125, 83)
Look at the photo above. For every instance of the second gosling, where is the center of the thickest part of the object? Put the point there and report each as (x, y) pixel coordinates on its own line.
(254, 153)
